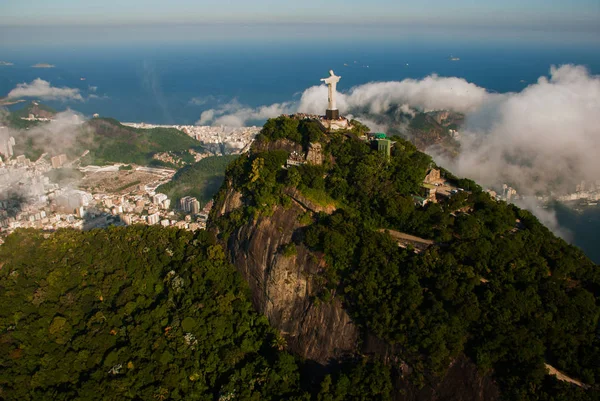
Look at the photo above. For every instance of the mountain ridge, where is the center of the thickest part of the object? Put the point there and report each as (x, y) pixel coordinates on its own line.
(271, 238)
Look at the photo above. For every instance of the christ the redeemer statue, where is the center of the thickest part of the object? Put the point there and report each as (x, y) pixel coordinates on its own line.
(332, 111)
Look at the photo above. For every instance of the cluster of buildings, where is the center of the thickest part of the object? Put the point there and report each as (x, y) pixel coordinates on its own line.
(434, 186)
(53, 207)
(28, 199)
(153, 208)
(33, 117)
(6, 143)
(586, 191)
(507, 194)
(58, 161)
(170, 157)
(188, 204)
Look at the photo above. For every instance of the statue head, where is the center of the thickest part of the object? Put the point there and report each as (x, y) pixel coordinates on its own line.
(331, 73)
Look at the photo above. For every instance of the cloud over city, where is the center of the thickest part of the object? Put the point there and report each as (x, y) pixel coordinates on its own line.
(546, 136)
(43, 90)
(235, 114)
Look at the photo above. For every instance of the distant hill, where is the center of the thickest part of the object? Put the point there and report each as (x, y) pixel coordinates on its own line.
(201, 180)
(110, 141)
(433, 128)
(424, 129)
(15, 119)
(37, 109)
(107, 139)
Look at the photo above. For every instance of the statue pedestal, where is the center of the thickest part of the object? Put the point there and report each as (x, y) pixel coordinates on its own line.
(332, 114)
(335, 124)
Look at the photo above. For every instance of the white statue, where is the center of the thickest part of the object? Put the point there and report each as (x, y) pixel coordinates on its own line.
(331, 84)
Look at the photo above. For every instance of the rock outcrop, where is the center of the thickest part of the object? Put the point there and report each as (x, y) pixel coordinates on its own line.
(283, 287)
(284, 282)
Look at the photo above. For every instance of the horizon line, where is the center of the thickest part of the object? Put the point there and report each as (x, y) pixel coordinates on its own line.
(589, 24)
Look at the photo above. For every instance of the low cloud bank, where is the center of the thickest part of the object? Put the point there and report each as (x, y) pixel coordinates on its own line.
(544, 138)
(430, 93)
(43, 90)
(54, 137)
(235, 114)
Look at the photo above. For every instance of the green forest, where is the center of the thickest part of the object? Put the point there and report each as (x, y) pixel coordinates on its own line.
(496, 285)
(201, 180)
(145, 313)
(152, 313)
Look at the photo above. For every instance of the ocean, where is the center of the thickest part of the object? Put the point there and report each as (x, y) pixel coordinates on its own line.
(583, 227)
(155, 77)
(172, 81)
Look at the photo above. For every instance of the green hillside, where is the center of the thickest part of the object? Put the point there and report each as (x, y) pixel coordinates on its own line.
(109, 141)
(139, 313)
(152, 313)
(496, 284)
(201, 180)
(145, 313)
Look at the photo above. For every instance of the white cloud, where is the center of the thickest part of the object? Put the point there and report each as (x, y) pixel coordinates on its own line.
(41, 89)
(546, 137)
(234, 114)
(430, 93)
(57, 135)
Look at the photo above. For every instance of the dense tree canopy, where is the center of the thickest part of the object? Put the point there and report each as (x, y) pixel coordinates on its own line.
(496, 285)
(155, 313)
(132, 313)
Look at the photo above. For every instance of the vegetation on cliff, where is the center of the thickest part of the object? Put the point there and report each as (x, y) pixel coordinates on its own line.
(496, 285)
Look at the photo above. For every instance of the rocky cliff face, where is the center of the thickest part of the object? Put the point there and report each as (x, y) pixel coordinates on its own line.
(283, 287)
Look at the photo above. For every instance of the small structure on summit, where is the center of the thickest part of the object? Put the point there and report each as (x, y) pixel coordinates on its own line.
(333, 120)
(381, 143)
(385, 146)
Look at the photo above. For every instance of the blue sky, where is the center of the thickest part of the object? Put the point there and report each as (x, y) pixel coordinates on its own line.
(564, 13)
